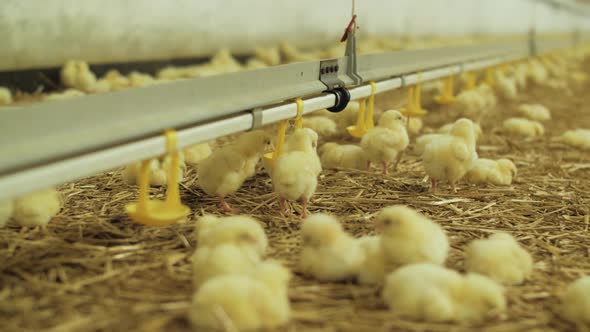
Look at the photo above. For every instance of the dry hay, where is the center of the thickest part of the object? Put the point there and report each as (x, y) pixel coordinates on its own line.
(93, 269)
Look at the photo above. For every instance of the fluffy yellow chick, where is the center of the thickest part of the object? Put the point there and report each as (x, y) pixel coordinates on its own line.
(242, 231)
(254, 63)
(432, 293)
(374, 266)
(137, 79)
(385, 143)
(295, 173)
(498, 172)
(506, 86)
(578, 138)
(415, 126)
(193, 155)
(223, 259)
(158, 172)
(521, 76)
(37, 209)
(348, 156)
(247, 302)
(537, 72)
(116, 80)
(224, 62)
(328, 252)
(451, 156)
(534, 112)
(77, 75)
(522, 127)
(225, 170)
(471, 104)
(323, 126)
(6, 209)
(409, 237)
(5, 96)
(499, 257)
(575, 305)
(424, 140)
(269, 56)
(67, 94)
(290, 53)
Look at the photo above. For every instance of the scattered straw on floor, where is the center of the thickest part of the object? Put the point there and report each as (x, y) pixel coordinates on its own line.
(92, 269)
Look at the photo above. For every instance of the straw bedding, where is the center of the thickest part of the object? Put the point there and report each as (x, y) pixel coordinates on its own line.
(93, 269)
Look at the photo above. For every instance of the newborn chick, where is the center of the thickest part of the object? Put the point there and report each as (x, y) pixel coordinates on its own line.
(522, 127)
(242, 231)
(334, 155)
(498, 172)
(386, 142)
(38, 208)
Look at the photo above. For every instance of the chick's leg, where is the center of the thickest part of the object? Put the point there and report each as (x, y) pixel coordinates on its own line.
(285, 208)
(432, 185)
(368, 165)
(225, 207)
(453, 187)
(397, 160)
(304, 202)
(385, 168)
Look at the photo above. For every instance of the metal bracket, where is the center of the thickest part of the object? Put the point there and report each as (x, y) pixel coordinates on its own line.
(350, 54)
(329, 73)
(256, 118)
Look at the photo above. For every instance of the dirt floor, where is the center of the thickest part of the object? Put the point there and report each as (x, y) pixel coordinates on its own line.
(92, 269)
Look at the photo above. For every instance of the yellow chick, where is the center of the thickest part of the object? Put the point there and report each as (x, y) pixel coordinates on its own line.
(116, 80)
(295, 173)
(499, 257)
(158, 172)
(137, 79)
(5, 96)
(521, 76)
(349, 156)
(224, 62)
(446, 129)
(498, 172)
(77, 75)
(451, 156)
(522, 127)
(575, 302)
(67, 94)
(323, 126)
(432, 293)
(415, 126)
(347, 117)
(328, 252)
(374, 266)
(409, 237)
(506, 86)
(423, 140)
(38, 208)
(290, 53)
(242, 231)
(269, 56)
(471, 104)
(193, 155)
(247, 302)
(385, 143)
(534, 112)
(254, 63)
(488, 96)
(537, 72)
(6, 209)
(578, 138)
(223, 259)
(224, 171)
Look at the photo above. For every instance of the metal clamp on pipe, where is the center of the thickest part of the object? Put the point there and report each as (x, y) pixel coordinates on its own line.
(256, 118)
(342, 99)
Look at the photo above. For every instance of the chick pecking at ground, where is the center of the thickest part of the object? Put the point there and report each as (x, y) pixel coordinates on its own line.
(328, 252)
(295, 173)
(385, 143)
(448, 158)
(194, 154)
(5, 96)
(211, 262)
(348, 156)
(534, 112)
(578, 138)
(226, 169)
(158, 171)
(432, 293)
(409, 237)
(243, 302)
(38, 208)
(499, 172)
(374, 266)
(499, 257)
(575, 303)
(522, 127)
(6, 210)
(242, 231)
(424, 140)
(322, 125)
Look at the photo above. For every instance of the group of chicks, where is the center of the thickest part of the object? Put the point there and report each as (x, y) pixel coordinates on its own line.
(405, 260)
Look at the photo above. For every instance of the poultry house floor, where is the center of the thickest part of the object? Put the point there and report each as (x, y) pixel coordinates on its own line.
(92, 269)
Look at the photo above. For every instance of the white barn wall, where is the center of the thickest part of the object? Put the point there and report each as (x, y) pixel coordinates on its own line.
(37, 33)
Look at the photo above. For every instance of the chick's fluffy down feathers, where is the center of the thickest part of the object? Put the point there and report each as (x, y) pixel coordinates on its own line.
(435, 294)
(38, 208)
(522, 127)
(499, 257)
(323, 126)
(221, 260)
(374, 267)
(578, 138)
(242, 231)
(334, 155)
(498, 172)
(6, 209)
(195, 154)
(409, 237)
(250, 302)
(576, 302)
(535, 112)
(5, 96)
(329, 254)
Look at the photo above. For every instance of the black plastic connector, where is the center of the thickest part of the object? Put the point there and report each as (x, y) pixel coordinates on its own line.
(342, 99)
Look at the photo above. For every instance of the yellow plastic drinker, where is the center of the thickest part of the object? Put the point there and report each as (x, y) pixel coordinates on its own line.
(414, 106)
(447, 95)
(156, 212)
(369, 121)
(270, 157)
(490, 79)
(471, 81)
(359, 129)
